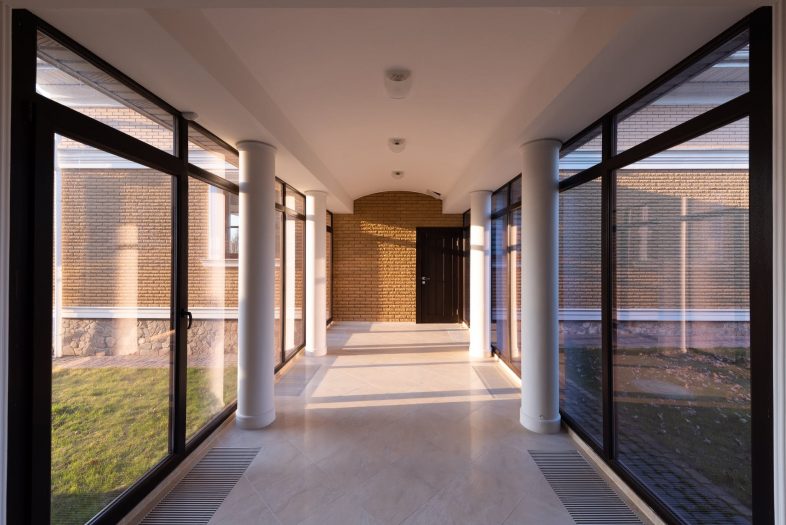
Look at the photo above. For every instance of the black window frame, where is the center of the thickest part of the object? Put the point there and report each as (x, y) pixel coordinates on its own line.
(35, 119)
(329, 230)
(756, 105)
(289, 214)
(506, 212)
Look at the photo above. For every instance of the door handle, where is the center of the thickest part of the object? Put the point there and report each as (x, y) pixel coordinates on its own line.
(190, 318)
(424, 279)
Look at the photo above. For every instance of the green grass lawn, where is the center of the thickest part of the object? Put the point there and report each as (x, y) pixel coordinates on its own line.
(110, 426)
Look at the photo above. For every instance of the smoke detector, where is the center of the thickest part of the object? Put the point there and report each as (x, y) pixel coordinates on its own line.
(397, 174)
(397, 144)
(398, 82)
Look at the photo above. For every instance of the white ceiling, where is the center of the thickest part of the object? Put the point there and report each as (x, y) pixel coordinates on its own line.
(310, 80)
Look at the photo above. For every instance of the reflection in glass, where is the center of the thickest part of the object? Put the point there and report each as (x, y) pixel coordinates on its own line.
(295, 329)
(500, 329)
(580, 304)
(113, 337)
(206, 153)
(682, 315)
(277, 349)
(515, 287)
(718, 78)
(68, 79)
(583, 154)
(212, 299)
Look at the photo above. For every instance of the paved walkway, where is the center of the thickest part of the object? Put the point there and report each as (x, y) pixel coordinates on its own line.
(395, 425)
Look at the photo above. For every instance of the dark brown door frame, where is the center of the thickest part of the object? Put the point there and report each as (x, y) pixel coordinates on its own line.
(457, 277)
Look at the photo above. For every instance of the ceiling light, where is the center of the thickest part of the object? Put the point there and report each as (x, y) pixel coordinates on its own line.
(397, 174)
(397, 144)
(398, 82)
(190, 116)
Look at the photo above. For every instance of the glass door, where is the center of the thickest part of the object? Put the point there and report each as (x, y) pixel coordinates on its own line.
(113, 334)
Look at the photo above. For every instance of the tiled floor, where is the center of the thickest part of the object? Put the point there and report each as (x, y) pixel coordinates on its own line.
(395, 425)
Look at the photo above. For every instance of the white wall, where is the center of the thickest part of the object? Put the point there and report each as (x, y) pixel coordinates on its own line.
(5, 142)
(779, 263)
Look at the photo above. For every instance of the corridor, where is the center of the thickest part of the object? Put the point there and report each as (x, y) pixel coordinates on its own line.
(395, 425)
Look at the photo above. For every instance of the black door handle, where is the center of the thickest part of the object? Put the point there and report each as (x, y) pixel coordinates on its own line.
(190, 317)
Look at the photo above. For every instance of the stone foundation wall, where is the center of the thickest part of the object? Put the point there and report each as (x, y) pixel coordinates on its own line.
(105, 337)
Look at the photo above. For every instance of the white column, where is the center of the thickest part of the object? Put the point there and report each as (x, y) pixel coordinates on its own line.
(480, 274)
(256, 285)
(539, 274)
(316, 273)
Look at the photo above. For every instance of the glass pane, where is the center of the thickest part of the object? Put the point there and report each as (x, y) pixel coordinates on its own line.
(113, 337)
(499, 199)
(294, 260)
(515, 190)
(67, 78)
(279, 193)
(719, 78)
(580, 338)
(328, 219)
(212, 300)
(682, 342)
(329, 274)
(295, 201)
(583, 154)
(499, 287)
(204, 152)
(515, 287)
(277, 350)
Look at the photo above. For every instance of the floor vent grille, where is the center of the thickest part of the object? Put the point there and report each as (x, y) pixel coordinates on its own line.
(199, 494)
(585, 494)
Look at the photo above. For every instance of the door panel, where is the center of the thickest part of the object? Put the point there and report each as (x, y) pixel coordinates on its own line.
(439, 275)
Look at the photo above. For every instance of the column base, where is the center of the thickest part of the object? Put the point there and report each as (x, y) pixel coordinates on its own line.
(316, 352)
(255, 422)
(478, 353)
(539, 425)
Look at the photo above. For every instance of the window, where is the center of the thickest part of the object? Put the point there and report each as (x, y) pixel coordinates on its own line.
(682, 352)
(232, 226)
(71, 80)
(580, 329)
(719, 77)
(209, 153)
(112, 339)
(580, 154)
(665, 320)
(212, 300)
(329, 266)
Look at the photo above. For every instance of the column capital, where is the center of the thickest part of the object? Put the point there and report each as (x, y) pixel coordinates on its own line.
(246, 145)
(481, 191)
(315, 193)
(543, 142)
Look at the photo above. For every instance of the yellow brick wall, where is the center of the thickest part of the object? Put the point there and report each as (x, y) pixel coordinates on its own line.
(374, 255)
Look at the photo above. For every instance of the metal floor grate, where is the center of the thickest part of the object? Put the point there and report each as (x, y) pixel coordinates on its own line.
(585, 494)
(198, 495)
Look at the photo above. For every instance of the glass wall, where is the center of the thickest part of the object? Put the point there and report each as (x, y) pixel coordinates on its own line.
(126, 284)
(682, 355)
(212, 301)
(112, 330)
(290, 272)
(665, 320)
(580, 334)
(506, 273)
(329, 267)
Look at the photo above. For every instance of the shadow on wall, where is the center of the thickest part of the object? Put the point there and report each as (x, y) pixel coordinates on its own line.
(374, 255)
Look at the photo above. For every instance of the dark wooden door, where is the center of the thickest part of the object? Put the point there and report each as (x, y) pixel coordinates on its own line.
(439, 275)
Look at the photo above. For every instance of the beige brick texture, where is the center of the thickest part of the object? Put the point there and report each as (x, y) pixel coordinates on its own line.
(374, 255)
